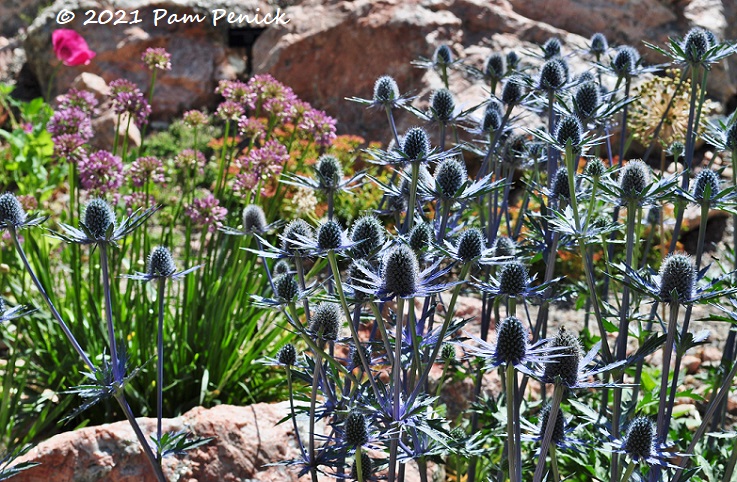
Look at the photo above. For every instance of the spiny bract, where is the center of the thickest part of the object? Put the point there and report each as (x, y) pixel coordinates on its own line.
(696, 44)
(511, 341)
(98, 217)
(358, 278)
(160, 262)
(400, 271)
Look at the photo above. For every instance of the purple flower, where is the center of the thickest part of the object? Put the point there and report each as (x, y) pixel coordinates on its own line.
(156, 58)
(70, 121)
(320, 125)
(251, 128)
(69, 146)
(81, 99)
(137, 200)
(259, 164)
(101, 172)
(144, 169)
(191, 159)
(195, 118)
(127, 98)
(229, 110)
(233, 90)
(206, 212)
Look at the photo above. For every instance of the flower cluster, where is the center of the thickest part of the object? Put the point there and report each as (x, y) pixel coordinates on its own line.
(156, 58)
(206, 212)
(128, 99)
(101, 172)
(146, 169)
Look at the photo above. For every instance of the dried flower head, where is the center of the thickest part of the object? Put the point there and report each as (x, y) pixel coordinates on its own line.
(511, 341)
(400, 271)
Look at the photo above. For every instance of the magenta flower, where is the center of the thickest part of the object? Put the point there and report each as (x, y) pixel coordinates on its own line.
(229, 110)
(101, 172)
(136, 201)
(146, 169)
(69, 146)
(71, 48)
(233, 90)
(259, 164)
(70, 121)
(80, 99)
(128, 98)
(206, 212)
(156, 58)
(320, 125)
(251, 128)
(195, 118)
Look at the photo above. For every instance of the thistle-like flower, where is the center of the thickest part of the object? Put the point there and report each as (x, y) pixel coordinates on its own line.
(98, 224)
(699, 48)
(287, 355)
(598, 44)
(328, 177)
(513, 91)
(160, 265)
(641, 446)
(634, 179)
(326, 321)
(356, 429)
(553, 75)
(587, 100)
(551, 48)
(560, 188)
(706, 185)
(513, 281)
(12, 214)
(330, 236)
(386, 95)
(367, 467)
(677, 278)
(504, 246)
(368, 235)
(420, 237)
(495, 67)
(567, 366)
(442, 105)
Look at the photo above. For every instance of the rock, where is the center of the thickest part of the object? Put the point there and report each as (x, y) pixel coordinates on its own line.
(246, 438)
(104, 128)
(691, 363)
(711, 354)
(200, 55)
(14, 14)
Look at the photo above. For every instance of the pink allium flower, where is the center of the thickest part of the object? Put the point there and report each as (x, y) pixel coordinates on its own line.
(71, 48)
(259, 164)
(101, 172)
(127, 97)
(320, 125)
(81, 99)
(156, 58)
(251, 128)
(144, 169)
(206, 212)
(190, 159)
(70, 121)
(233, 90)
(69, 146)
(229, 110)
(137, 200)
(195, 118)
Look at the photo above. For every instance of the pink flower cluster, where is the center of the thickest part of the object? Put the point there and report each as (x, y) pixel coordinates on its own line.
(146, 169)
(71, 125)
(156, 58)
(128, 98)
(81, 99)
(101, 172)
(137, 200)
(194, 118)
(206, 212)
(259, 164)
(191, 159)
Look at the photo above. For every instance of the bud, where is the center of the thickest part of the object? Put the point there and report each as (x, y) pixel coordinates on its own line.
(400, 271)
(625, 61)
(551, 48)
(494, 67)
(448, 352)
(512, 60)
(369, 234)
(634, 179)
(553, 75)
(470, 244)
(329, 171)
(420, 236)
(160, 262)
(385, 90)
(569, 129)
(513, 279)
(416, 144)
(281, 267)
(559, 431)
(588, 99)
(504, 246)
(677, 273)
(297, 230)
(254, 219)
(98, 217)
(287, 355)
(512, 92)
(595, 168)
(511, 341)
(326, 321)
(568, 358)
(640, 438)
(442, 104)
(677, 149)
(11, 210)
(706, 179)
(561, 189)
(356, 429)
(329, 235)
(653, 215)
(599, 44)
(286, 287)
(450, 176)
(696, 44)
(492, 118)
(442, 56)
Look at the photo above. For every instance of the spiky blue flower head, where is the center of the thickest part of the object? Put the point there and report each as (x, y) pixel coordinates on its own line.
(281, 267)
(515, 148)
(356, 355)
(504, 246)
(495, 66)
(560, 188)
(450, 175)
(400, 271)
(416, 144)
(569, 129)
(625, 61)
(11, 210)
(287, 355)
(706, 179)
(654, 215)
(442, 56)
(356, 429)
(598, 44)
(567, 363)
(512, 92)
(331, 172)
(511, 341)
(634, 179)
(696, 44)
(385, 90)
(492, 118)
(286, 287)
(329, 235)
(731, 137)
(513, 279)
(367, 467)
(470, 244)
(326, 321)
(588, 98)
(443, 104)
(420, 236)
(586, 76)
(677, 273)
(254, 219)
(448, 352)
(676, 149)
(297, 230)
(639, 443)
(553, 75)
(368, 232)
(512, 60)
(551, 48)
(98, 216)
(559, 431)
(595, 168)
(160, 263)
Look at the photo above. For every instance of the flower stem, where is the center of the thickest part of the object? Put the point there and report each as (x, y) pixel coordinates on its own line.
(120, 397)
(409, 221)
(554, 463)
(359, 469)
(396, 388)
(160, 368)
(667, 352)
(117, 376)
(291, 408)
(628, 471)
(511, 441)
(549, 429)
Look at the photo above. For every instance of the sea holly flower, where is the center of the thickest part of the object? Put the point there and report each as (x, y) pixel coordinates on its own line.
(451, 183)
(569, 131)
(699, 48)
(625, 62)
(442, 109)
(71, 48)
(598, 44)
(253, 222)
(636, 184)
(368, 235)
(328, 177)
(514, 281)
(640, 445)
(286, 291)
(442, 58)
(98, 224)
(156, 58)
(12, 214)
(562, 432)
(386, 95)
(160, 265)
(707, 191)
